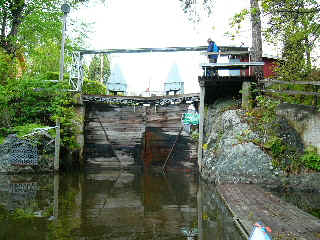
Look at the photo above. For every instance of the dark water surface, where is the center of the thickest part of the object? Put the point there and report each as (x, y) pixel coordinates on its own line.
(112, 205)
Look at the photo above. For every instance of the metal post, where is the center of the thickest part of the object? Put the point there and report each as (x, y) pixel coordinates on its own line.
(201, 122)
(65, 9)
(101, 68)
(57, 146)
(62, 47)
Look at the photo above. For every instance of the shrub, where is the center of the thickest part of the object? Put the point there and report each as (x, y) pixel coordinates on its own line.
(311, 159)
(93, 87)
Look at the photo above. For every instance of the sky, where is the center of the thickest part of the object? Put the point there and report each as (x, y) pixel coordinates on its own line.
(158, 23)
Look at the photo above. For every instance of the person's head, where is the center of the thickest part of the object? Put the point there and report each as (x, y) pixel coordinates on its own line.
(209, 40)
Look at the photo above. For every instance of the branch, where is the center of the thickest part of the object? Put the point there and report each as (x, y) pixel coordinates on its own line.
(16, 11)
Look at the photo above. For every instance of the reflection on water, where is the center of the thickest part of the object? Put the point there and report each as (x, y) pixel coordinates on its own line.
(112, 205)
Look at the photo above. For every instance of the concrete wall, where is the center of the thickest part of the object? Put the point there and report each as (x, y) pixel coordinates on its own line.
(305, 120)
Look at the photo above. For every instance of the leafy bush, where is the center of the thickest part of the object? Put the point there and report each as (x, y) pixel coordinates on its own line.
(275, 145)
(93, 87)
(54, 76)
(311, 159)
(26, 129)
(31, 100)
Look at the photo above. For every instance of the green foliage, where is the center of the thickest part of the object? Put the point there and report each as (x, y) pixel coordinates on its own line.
(23, 213)
(7, 67)
(45, 58)
(236, 23)
(28, 23)
(32, 102)
(311, 159)
(266, 108)
(275, 145)
(195, 135)
(93, 87)
(26, 129)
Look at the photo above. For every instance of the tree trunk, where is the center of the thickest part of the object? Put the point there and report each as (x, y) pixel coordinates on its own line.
(256, 54)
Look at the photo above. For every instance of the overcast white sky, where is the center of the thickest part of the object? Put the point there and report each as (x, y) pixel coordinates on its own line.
(158, 23)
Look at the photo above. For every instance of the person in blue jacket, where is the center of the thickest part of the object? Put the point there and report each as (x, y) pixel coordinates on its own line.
(212, 47)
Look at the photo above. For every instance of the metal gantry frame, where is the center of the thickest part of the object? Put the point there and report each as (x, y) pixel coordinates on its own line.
(77, 72)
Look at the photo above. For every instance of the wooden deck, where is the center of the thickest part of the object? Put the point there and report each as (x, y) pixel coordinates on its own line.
(250, 203)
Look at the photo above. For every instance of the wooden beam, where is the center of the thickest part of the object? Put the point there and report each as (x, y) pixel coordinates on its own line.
(290, 92)
(315, 83)
(231, 65)
(226, 53)
(201, 122)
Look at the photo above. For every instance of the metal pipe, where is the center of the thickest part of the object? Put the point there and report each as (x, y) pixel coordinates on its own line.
(62, 47)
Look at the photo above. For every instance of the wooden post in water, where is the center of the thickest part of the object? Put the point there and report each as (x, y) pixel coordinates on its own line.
(201, 112)
(56, 182)
(57, 146)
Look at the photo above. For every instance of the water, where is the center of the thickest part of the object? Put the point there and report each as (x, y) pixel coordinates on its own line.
(112, 205)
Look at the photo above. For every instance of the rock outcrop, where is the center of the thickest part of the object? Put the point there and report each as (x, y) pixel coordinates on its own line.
(231, 155)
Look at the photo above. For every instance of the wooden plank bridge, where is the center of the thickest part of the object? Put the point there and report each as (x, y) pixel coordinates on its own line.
(250, 203)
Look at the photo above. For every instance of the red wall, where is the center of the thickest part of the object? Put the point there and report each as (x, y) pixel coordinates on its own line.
(268, 68)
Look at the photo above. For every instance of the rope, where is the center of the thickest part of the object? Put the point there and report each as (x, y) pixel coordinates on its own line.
(172, 148)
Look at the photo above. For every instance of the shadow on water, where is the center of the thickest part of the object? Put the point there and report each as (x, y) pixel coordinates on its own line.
(112, 205)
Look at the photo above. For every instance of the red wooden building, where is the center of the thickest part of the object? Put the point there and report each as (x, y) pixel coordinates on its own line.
(270, 64)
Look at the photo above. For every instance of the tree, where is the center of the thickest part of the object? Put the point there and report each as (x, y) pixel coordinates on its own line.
(195, 9)
(189, 7)
(95, 67)
(26, 25)
(295, 24)
(256, 54)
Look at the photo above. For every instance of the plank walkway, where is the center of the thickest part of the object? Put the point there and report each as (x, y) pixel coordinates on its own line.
(250, 203)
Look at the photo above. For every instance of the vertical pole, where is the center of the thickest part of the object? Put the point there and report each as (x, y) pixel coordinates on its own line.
(101, 68)
(316, 97)
(200, 211)
(201, 122)
(57, 146)
(56, 181)
(62, 47)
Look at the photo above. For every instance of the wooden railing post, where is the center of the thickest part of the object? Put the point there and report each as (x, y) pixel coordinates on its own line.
(57, 146)
(201, 122)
